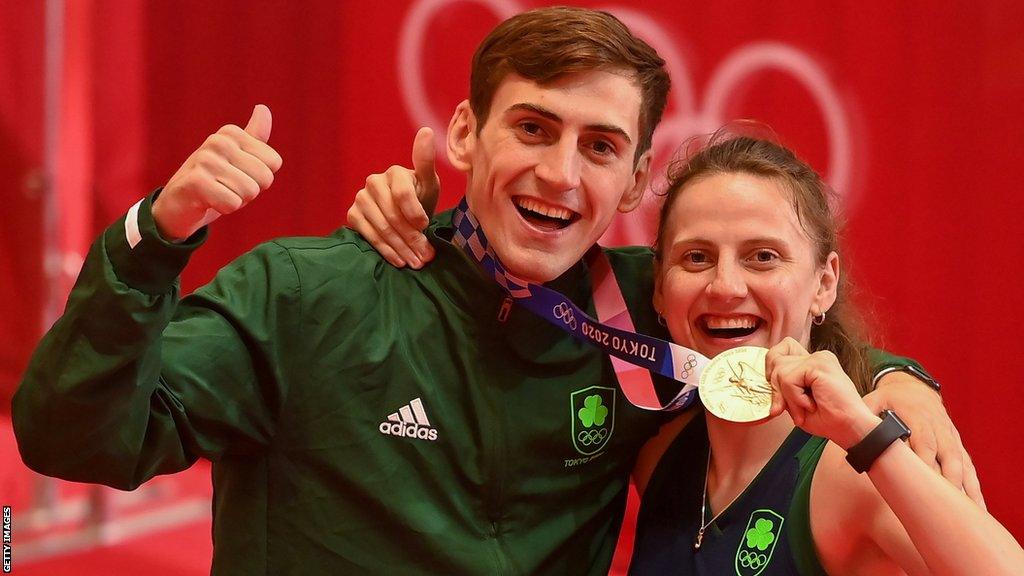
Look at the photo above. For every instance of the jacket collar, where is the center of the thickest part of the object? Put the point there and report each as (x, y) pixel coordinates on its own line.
(466, 284)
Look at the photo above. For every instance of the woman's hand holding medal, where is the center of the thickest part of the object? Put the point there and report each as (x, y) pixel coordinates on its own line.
(752, 384)
(817, 393)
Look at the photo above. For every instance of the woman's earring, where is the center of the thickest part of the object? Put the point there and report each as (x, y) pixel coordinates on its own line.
(819, 320)
(661, 319)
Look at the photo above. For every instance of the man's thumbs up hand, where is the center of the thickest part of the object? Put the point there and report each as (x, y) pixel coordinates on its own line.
(394, 208)
(259, 123)
(227, 172)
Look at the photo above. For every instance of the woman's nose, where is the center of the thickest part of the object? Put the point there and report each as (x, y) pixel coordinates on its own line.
(728, 283)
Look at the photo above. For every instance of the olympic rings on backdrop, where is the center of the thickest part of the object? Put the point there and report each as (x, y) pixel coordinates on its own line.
(692, 112)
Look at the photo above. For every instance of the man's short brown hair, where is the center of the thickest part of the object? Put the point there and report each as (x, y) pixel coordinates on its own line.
(544, 44)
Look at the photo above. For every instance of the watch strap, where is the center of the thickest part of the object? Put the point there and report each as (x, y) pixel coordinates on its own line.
(863, 454)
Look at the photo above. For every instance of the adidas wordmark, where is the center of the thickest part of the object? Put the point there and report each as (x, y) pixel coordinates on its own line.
(409, 422)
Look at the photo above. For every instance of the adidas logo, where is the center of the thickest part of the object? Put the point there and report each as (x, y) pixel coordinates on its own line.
(410, 422)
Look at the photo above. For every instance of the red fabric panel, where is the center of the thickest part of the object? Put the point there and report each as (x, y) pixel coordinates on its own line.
(118, 108)
(74, 168)
(21, 187)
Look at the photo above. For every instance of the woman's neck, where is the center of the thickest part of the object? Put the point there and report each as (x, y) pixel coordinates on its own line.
(738, 453)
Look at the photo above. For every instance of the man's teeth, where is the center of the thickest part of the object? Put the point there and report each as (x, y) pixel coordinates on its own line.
(731, 323)
(543, 209)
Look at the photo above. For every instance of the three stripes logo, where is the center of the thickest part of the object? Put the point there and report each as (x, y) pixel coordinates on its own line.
(409, 422)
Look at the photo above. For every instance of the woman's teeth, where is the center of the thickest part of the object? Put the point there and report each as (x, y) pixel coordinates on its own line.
(744, 322)
(731, 327)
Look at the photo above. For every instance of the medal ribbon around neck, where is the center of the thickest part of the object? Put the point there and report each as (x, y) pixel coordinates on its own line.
(634, 356)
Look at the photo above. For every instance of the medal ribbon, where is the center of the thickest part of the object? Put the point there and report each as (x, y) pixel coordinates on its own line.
(633, 355)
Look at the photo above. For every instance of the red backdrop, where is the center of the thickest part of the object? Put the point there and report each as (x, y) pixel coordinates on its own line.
(913, 113)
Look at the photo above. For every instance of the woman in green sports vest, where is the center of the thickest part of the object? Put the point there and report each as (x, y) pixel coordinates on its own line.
(747, 255)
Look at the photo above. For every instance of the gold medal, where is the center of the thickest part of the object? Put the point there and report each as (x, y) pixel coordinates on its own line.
(733, 385)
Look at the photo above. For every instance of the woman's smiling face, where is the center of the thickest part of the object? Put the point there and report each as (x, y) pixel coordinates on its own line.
(737, 267)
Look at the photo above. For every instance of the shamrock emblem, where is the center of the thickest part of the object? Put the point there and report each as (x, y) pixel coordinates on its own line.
(761, 536)
(593, 412)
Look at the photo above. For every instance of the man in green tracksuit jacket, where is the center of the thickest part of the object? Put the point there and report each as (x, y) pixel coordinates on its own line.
(362, 418)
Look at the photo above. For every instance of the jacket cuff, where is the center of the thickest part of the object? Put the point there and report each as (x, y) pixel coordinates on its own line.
(883, 363)
(149, 263)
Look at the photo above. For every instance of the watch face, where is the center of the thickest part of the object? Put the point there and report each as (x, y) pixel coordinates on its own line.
(900, 422)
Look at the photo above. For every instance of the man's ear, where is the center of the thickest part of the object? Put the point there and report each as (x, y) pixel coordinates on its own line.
(641, 177)
(461, 137)
(828, 285)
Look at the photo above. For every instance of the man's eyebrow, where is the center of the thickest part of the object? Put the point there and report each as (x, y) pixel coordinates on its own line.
(542, 111)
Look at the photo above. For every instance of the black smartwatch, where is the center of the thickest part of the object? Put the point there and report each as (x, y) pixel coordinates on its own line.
(864, 453)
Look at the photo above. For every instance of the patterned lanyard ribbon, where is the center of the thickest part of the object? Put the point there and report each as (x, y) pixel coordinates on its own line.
(634, 356)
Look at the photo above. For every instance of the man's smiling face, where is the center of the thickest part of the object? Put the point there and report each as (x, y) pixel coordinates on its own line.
(550, 166)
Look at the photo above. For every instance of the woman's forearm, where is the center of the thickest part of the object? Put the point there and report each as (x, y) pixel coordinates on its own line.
(951, 533)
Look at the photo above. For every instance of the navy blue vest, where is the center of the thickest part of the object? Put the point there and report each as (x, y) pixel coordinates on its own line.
(766, 531)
